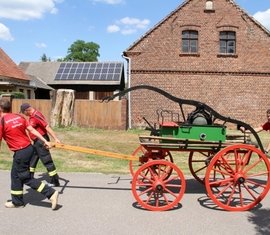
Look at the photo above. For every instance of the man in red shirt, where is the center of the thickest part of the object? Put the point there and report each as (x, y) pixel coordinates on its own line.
(13, 130)
(38, 122)
(263, 127)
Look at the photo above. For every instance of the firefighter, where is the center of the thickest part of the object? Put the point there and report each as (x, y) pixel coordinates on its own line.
(13, 130)
(38, 121)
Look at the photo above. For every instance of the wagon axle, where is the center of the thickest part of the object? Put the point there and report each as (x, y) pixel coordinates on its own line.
(158, 187)
(240, 180)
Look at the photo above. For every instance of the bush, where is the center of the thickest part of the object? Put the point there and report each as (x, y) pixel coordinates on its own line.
(15, 94)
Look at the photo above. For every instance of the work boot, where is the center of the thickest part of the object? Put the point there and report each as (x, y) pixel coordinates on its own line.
(32, 175)
(54, 199)
(9, 204)
(54, 181)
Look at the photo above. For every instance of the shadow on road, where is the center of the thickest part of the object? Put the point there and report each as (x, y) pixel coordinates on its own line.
(261, 219)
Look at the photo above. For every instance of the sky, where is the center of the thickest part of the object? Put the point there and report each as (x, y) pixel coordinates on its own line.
(30, 28)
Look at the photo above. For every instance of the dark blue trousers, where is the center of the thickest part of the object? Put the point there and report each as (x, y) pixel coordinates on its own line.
(20, 175)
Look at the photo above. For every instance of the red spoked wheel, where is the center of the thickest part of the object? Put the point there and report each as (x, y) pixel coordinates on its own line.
(198, 162)
(158, 185)
(145, 155)
(237, 178)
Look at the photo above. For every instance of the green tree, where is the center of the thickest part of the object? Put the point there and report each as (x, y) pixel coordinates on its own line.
(44, 58)
(60, 59)
(82, 51)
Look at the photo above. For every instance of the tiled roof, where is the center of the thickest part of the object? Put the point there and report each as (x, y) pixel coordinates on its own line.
(9, 69)
(38, 83)
(44, 70)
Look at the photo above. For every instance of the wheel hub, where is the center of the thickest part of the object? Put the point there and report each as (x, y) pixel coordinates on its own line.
(239, 178)
(158, 185)
(159, 188)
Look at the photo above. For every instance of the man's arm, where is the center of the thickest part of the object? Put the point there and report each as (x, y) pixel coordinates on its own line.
(257, 129)
(267, 150)
(38, 135)
(52, 134)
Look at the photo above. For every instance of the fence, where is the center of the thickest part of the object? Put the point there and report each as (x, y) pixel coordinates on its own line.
(87, 113)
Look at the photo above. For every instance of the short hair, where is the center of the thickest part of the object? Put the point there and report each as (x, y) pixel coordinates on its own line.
(24, 106)
(5, 105)
(268, 111)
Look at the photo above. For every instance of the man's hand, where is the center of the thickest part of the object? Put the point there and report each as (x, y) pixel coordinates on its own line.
(48, 145)
(242, 129)
(57, 141)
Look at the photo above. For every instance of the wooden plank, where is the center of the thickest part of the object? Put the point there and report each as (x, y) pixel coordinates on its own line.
(237, 135)
(95, 152)
(87, 113)
(177, 140)
(44, 106)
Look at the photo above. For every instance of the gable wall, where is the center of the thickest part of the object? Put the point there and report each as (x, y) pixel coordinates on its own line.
(235, 86)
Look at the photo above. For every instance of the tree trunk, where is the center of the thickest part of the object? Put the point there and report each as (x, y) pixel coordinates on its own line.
(63, 108)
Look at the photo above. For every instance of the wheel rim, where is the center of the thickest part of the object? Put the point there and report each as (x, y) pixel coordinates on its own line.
(198, 162)
(237, 178)
(139, 152)
(144, 156)
(154, 190)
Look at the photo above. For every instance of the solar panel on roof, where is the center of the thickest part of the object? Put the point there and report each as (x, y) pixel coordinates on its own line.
(83, 76)
(64, 76)
(103, 77)
(91, 71)
(57, 76)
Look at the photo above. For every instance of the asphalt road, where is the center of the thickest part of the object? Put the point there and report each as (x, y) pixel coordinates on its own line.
(104, 204)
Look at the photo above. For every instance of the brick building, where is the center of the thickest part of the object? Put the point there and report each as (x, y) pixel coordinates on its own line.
(210, 51)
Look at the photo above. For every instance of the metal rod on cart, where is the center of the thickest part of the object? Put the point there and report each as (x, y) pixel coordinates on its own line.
(195, 103)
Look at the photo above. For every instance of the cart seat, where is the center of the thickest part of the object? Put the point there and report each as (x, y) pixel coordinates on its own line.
(169, 124)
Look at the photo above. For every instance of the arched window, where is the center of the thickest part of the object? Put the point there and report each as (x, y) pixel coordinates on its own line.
(227, 42)
(189, 41)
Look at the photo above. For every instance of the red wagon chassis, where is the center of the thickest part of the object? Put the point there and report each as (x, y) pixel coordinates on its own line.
(236, 177)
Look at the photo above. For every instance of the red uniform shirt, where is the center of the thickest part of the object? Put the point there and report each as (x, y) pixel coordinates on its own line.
(38, 121)
(266, 126)
(13, 131)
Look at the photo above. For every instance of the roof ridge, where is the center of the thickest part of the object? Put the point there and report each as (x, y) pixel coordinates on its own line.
(181, 6)
(158, 24)
(9, 68)
(249, 16)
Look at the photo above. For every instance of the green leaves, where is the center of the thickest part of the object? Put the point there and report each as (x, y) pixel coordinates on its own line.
(82, 51)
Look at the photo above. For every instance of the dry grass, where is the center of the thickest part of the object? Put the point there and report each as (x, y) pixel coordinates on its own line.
(111, 141)
(124, 142)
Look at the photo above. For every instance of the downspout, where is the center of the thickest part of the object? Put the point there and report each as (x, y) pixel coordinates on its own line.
(128, 82)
